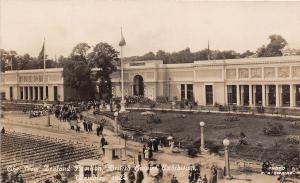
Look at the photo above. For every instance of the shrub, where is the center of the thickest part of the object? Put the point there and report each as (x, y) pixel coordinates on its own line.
(273, 129)
(162, 99)
(293, 139)
(295, 124)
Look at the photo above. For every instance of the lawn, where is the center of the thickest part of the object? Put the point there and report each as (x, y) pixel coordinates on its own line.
(185, 128)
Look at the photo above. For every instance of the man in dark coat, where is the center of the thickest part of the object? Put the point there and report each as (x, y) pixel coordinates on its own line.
(140, 176)
(103, 143)
(140, 158)
(155, 145)
(3, 130)
(131, 176)
(98, 131)
(101, 129)
(85, 125)
(144, 148)
(150, 154)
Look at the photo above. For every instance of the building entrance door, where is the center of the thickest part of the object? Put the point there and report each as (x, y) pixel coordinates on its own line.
(138, 85)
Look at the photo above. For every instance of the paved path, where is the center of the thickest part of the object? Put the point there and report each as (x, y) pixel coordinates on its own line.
(20, 122)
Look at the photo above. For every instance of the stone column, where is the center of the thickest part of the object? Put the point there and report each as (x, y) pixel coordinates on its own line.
(38, 93)
(238, 99)
(33, 92)
(254, 95)
(263, 91)
(277, 96)
(267, 95)
(292, 96)
(28, 97)
(250, 96)
(242, 94)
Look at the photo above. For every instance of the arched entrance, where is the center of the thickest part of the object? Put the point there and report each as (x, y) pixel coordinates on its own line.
(138, 85)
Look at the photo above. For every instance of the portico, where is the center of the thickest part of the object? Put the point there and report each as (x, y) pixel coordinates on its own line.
(266, 95)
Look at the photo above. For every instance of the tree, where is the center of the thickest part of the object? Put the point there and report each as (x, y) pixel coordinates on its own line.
(79, 52)
(247, 54)
(274, 48)
(77, 75)
(105, 58)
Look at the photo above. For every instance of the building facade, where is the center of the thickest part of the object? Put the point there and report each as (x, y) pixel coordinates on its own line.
(33, 85)
(269, 81)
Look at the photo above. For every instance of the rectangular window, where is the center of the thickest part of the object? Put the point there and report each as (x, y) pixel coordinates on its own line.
(297, 95)
(31, 92)
(190, 93)
(182, 91)
(10, 92)
(26, 92)
(231, 94)
(55, 93)
(21, 93)
(209, 94)
(285, 95)
(47, 92)
(41, 93)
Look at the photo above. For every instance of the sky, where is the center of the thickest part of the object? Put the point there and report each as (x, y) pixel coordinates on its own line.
(147, 25)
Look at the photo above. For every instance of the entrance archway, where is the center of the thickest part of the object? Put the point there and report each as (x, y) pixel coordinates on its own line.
(138, 85)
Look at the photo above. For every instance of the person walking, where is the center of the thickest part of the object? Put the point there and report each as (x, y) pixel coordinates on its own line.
(204, 180)
(3, 130)
(140, 158)
(84, 125)
(131, 176)
(103, 143)
(213, 175)
(147, 154)
(140, 176)
(144, 149)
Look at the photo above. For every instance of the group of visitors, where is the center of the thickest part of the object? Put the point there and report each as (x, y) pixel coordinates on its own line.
(87, 125)
(149, 148)
(155, 171)
(131, 177)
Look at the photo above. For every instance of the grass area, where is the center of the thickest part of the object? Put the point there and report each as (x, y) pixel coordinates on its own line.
(185, 127)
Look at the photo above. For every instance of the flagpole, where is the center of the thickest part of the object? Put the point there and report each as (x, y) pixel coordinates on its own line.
(122, 79)
(44, 57)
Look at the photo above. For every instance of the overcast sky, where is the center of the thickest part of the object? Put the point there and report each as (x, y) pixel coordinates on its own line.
(147, 26)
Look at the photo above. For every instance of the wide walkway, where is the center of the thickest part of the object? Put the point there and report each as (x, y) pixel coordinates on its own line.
(19, 122)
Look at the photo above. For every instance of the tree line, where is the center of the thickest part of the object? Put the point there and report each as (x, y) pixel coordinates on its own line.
(276, 47)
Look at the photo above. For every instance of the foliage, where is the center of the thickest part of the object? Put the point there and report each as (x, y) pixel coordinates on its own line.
(11, 60)
(275, 129)
(162, 99)
(186, 56)
(138, 100)
(77, 75)
(79, 52)
(295, 124)
(153, 119)
(105, 58)
(293, 139)
(274, 48)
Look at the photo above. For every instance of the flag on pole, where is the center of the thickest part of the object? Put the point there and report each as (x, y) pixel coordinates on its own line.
(122, 42)
(42, 52)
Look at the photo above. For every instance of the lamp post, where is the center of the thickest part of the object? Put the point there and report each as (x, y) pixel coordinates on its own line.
(226, 143)
(202, 146)
(122, 44)
(116, 114)
(48, 118)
